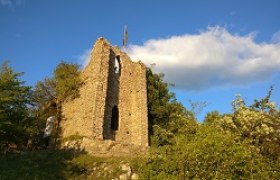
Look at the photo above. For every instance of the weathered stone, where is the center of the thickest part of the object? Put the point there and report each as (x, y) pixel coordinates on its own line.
(124, 177)
(127, 168)
(98, 174)
(111, 111)
(108, 168)
(134, 176)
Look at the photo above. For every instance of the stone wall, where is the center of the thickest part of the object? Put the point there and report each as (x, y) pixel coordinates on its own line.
(112, 84)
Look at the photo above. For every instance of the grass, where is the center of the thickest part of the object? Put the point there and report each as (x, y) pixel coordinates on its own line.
(59, 164)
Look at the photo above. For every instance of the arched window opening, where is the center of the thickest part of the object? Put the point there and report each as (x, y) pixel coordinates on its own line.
(117, 65)
(115, 118)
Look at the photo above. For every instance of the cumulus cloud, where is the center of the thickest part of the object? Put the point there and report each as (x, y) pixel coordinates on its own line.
(276, 37)
(212, 58)
(84, 58)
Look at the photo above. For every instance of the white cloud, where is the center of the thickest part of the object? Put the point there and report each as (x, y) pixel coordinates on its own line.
(6, 3)
(276, 37)
(84, 58)
(232, 13)
(212, 58)
(12, 4)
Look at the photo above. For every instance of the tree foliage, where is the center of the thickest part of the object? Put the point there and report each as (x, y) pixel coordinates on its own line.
(67, 81)
(44, 97)
(50, 94)
(158, 98)
(244, 144)
(167, 117)
(241, 145)
(211, 154)
(14, 101)
(259, 123)
(64, 85)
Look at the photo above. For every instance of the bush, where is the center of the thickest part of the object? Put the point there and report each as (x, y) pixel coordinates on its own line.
(212, 154)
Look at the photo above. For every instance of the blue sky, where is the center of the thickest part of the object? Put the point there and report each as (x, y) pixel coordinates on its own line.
(212, 50)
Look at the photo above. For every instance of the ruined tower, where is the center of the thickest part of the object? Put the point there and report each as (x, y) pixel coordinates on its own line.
(111, 112)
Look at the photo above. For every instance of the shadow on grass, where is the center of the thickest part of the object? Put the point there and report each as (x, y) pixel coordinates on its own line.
(44, 164)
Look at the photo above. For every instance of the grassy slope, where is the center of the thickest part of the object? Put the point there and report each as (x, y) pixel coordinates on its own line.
(57, 164)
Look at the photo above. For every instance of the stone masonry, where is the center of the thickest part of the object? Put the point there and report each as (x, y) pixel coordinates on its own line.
(111, 112)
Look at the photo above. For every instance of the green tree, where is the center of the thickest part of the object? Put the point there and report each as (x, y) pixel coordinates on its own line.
(14, 101)
(45, 97)
(258, 123)
(67, 81)
(158, 99)
(212, 117)
(216, 154)
(45, 105)
(167, 117)
(50, 94)
(63, 86)
(211, 154)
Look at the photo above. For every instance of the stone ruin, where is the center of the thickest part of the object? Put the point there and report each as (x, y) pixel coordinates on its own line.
(110, 115)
